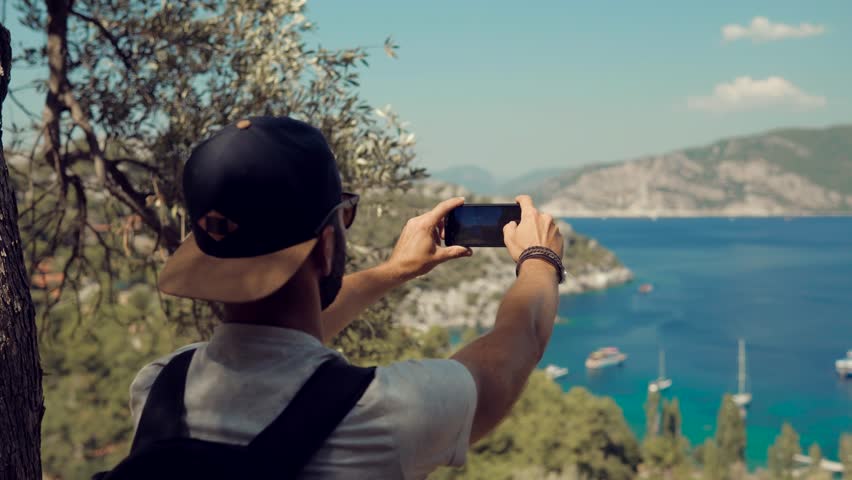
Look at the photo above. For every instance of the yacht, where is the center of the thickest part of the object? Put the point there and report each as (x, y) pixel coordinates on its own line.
(742, 398)
(605, 357)
(661, 382)
(844, 365)
(555, 371)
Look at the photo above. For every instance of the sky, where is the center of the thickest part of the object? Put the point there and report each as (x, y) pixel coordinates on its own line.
(516, 86)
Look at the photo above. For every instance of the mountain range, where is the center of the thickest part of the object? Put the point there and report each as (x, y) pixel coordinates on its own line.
(794, 171)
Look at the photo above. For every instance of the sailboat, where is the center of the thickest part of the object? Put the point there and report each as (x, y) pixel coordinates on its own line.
(742, 398)
(661, 383)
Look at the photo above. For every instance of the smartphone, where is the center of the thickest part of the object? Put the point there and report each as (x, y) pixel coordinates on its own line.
(479, 225)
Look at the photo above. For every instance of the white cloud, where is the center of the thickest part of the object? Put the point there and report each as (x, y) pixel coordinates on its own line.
(745, 93)
(762, 29)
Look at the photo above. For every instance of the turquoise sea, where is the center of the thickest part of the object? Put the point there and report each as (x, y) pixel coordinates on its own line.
(785, 286)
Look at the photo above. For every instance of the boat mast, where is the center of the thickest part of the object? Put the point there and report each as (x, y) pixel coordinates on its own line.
(662, 364)
(741, 360)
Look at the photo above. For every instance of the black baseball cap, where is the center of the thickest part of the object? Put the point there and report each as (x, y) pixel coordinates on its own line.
(256, 192)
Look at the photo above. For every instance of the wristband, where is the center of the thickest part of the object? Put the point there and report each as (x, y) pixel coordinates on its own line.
(546, 254)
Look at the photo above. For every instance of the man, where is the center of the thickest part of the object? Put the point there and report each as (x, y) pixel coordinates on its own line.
(268, 220)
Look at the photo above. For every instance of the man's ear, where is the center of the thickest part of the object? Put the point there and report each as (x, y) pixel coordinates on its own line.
(323, 254)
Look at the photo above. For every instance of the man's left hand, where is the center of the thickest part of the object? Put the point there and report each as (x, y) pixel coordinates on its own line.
(419, 249)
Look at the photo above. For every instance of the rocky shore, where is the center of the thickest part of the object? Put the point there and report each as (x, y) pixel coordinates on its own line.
(473, 302)
(467, 292)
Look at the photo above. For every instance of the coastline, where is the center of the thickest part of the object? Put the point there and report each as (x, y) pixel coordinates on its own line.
(714, 294)
(474, 302)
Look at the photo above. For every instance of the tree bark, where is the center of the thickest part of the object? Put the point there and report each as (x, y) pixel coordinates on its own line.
(21, 402)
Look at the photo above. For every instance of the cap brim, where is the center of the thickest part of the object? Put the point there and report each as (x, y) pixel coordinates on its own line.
(191, 273)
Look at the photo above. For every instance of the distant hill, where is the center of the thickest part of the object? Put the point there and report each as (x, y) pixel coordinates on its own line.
(794, 171)
(471, 177)
(481, 181)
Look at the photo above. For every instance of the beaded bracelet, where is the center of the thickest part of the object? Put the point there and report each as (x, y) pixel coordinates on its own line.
(545, 254)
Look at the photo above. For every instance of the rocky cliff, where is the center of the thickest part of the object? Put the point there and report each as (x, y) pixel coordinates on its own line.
(468, 292)
(785, 172)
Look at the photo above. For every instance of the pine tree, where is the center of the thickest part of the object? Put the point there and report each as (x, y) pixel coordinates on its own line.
(652, 414)
(710, 460)
(845, 455)
(671, 419)
(665, 453)
(780, 454)
(730, 433)
(815, 472)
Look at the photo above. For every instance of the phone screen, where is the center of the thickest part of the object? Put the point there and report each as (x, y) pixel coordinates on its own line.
(480, 225)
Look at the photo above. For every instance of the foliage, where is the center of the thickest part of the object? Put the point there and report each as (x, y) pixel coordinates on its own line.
(780, 454)
(845, 455)
(88, 367)
(652, 414)
(815, 472)
(134, 85)
(584, 254)
(665, 453)
(137, 83)
(713, 468)
(730, 433)
(555, 433)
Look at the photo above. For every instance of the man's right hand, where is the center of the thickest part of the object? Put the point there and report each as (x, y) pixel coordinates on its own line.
(535, 230)
(501, 360)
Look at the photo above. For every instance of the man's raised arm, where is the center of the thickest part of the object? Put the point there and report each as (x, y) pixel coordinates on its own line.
(502, 360)
(417, 251)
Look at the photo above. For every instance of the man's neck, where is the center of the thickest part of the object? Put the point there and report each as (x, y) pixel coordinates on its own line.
(287, 308)
(311, 328)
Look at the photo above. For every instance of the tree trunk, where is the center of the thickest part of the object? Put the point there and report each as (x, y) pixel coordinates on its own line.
(21, 403)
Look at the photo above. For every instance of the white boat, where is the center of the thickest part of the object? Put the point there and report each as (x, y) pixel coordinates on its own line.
(742, 398)
(844, 365)
(605, 357)
(555, 371)
(661, 382)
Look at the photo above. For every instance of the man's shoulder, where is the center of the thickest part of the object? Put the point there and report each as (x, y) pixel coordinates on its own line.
(424, 368)
(145, 377)
(428, 407)
(158, 364)
(413, 383)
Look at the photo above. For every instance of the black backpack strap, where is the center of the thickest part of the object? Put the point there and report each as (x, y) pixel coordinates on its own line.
(292, 439)
(164, 413)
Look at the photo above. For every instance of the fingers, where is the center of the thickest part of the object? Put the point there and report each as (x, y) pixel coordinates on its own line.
(442, 209)
(526, 203)
(509, 231)
(450, 253)
(535, 229)
(510, 228)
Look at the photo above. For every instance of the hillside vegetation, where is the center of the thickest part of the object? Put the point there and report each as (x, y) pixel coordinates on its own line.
(94, 342)
(782, 172)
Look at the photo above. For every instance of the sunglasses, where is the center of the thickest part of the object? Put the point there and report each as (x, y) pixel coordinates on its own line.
(349, 206)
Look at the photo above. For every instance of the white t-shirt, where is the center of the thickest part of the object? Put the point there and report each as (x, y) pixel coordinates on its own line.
(414, 416)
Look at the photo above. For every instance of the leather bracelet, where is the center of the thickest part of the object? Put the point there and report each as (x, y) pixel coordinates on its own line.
(546, 254)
